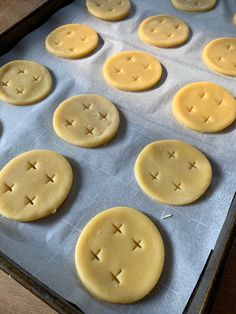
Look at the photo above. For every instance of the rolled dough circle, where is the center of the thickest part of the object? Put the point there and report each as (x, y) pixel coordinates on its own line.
(24, 82)
(132, 71)
(72, 41)
(86, 120)
(220, 55)
(34, 184)
(204, 107)
(193, 5)
(112, 10)
(172, 172)
(163, 31)
(119, 255)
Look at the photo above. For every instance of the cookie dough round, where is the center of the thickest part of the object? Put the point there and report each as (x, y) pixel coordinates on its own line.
(193, 5)
(86, 120)
(24, 82)
(172, 172)
(34, 184)
(112, 10)
(132, 71)
(119, 255)
(234, 19)
(204, 107)
(163, 31)
(220, 55)
(72, 41)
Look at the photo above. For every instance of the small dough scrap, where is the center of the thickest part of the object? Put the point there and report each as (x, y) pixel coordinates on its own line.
(132, 71)
(220, 55)
(24, 82)
(34, 184)
(204, 107)
(172, 172)
(163, 31)
(72, 41)
(119, 255)
(194, 5)
(86, 120)
(109, 10)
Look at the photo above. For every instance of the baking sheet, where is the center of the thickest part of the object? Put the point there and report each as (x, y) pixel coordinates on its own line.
(103, 177)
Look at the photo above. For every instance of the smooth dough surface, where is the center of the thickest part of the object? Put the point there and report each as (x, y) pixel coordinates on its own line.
(193, 5)
(132, 71)
(163, 31)
(172, 172)
(220, 55)
(34, 184)
(86, 120)
(119, 255)
(204, 107)
(72, 41)
(24, 82)
(234, 19)
(109, 10)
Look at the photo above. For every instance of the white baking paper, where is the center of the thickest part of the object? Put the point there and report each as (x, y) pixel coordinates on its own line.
(103, 177)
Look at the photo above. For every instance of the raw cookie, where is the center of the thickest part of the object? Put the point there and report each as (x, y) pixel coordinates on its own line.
(87, 120)
(204, 107)
(34, 184)
(119, 255)
(220, 55)
(172, 172)
(112, 10)
(24, 82)
(163, 31)
(193, 5)
(234, 19)
(72, 41)
(132, 71)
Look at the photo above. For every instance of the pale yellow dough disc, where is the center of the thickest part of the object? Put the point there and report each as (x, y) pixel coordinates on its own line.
(86, 120)
(163, 31)
(119, 255)
(193, 5)
(234, 19)
(72, 41)
(109, 10)
(34, 184)
(204, 107)
(132, 71)
(24, 82)
(172, 172)
(220, 55)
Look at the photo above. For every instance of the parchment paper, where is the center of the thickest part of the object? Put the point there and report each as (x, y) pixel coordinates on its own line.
(103, 177)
